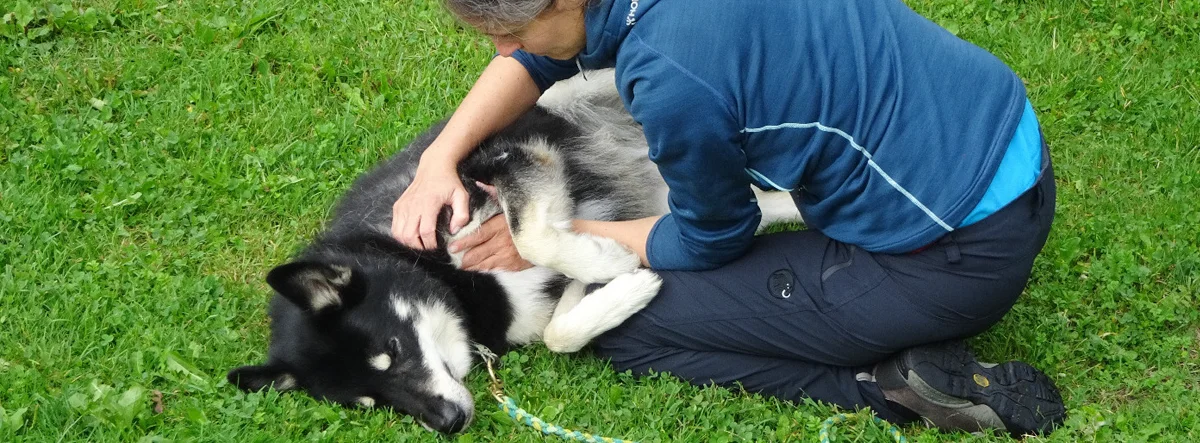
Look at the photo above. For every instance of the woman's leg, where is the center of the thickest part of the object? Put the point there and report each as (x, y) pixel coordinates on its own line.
(803, 315)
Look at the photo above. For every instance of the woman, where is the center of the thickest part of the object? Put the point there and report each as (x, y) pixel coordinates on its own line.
(914, 157)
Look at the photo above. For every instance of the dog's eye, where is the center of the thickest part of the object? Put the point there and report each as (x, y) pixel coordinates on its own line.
(380, 362)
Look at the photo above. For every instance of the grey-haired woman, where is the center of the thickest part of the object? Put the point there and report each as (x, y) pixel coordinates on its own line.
(914, 156)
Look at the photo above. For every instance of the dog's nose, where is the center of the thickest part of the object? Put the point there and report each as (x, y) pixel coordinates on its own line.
(450, 418)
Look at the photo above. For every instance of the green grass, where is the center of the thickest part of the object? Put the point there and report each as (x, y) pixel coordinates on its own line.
(157, 157)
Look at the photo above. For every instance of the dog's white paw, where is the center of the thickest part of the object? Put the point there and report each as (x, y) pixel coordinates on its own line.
(563, 340)
(638, 287)
(602, 310)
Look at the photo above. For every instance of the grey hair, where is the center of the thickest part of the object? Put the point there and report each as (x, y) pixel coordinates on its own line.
(505, 14)
(498, 13)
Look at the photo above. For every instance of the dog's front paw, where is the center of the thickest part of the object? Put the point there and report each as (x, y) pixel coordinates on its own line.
(636, 289)
(562, 339)
(602, 310)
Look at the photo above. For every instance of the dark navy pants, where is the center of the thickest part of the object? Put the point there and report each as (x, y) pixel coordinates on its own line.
(802, 315)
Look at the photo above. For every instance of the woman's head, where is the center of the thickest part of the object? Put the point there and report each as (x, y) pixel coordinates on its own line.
(552, 28)
(498, 13)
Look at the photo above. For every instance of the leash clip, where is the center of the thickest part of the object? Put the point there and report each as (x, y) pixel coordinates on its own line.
(495, 386)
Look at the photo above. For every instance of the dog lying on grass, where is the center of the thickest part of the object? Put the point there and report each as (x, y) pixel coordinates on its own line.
(359, 319)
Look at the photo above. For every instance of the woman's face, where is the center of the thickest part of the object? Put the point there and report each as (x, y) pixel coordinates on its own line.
(557, 32)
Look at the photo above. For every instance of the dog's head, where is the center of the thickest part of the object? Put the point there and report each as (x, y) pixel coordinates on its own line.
(366, 338)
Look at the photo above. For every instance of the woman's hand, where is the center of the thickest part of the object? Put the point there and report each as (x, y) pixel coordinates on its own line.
(503, 92)
(415, 213)
(490, 248)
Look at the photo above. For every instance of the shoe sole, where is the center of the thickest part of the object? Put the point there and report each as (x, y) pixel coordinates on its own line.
(1018, 396)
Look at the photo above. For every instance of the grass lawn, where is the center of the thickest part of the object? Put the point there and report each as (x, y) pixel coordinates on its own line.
(156, 158)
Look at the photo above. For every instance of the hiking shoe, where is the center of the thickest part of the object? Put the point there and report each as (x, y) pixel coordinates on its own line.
(948, 387)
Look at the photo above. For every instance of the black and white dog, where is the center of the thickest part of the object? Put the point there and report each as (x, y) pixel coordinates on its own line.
(359, 319)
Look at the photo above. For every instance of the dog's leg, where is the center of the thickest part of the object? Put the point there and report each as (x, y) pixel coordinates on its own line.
(571, 296)
(539, 210)
(544, 237)
(600, 311)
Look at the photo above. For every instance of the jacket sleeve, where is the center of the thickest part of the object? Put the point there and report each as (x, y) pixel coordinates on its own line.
(694, 140)
(545, 70)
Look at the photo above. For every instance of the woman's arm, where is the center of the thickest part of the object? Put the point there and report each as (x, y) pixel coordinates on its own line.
(630, 233)
(502, 93)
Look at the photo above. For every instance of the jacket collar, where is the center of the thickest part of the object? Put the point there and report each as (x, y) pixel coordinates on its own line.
(606, 25)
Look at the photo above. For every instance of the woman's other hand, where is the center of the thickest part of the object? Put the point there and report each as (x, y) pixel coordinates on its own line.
(490, 248)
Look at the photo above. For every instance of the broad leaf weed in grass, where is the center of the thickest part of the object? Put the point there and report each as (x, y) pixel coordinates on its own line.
(157, 158)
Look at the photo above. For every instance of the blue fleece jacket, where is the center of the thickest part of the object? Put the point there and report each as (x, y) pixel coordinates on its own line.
(886, 128)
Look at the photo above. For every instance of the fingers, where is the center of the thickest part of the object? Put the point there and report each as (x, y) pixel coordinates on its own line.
(502, 263)
(402, 229)
(474, 257)
(460, 208)
(428, 231)
(415, 213)
(503, 260)
(413, 229)
(487, 231)
(490, 248)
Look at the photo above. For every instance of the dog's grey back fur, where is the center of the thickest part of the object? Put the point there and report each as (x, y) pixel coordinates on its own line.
(614, 145)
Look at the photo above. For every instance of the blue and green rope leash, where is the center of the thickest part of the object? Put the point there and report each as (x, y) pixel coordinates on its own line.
(509, 406)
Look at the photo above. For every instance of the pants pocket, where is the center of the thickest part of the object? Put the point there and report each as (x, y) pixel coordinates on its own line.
(847, 272)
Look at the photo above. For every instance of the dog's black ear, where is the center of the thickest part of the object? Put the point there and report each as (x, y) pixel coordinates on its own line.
(257, 378)
(317, 287)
